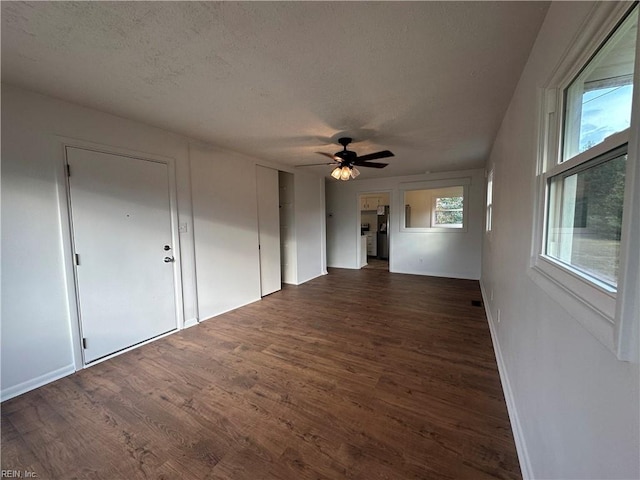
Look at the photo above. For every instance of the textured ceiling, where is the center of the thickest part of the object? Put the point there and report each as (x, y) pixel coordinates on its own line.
(281, 80)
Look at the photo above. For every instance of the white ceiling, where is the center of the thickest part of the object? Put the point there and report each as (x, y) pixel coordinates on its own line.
(429, 81)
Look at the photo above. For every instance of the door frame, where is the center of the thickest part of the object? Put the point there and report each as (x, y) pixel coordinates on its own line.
(392, 215)
(260, 232)
(66, 231)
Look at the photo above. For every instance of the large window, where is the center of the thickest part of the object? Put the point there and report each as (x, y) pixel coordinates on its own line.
(585, 139)
(586, 186)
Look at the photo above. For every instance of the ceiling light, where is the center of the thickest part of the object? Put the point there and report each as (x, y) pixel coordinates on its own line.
(344, 169)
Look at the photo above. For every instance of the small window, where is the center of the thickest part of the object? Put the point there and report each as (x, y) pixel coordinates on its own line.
(447, 211)
(489, 213)
(435, 208)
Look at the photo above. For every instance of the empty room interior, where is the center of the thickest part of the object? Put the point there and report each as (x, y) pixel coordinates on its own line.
(320, 240)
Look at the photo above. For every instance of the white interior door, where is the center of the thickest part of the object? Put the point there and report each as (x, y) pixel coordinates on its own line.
(121, 216)
(269, 229)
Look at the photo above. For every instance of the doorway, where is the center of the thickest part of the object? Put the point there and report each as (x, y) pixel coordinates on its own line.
(374, 215)
(122, 237)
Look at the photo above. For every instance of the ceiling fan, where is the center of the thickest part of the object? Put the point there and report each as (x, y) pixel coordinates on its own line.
(345, 161)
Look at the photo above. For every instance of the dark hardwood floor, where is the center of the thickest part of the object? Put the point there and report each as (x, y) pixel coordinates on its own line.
(358, 374)
(374, 263)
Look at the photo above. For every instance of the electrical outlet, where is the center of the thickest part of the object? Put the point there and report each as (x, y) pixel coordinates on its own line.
(182, 228)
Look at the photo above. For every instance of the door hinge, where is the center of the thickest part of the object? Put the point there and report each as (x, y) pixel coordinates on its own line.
(84, 343)
(77, 259)
(68, 170)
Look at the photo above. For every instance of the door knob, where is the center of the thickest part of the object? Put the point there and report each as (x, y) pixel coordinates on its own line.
(168, 259)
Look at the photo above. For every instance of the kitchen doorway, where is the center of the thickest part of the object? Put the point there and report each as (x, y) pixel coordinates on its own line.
(375, 230)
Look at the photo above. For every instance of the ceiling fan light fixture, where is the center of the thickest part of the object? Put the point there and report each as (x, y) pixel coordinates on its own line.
(346, 159)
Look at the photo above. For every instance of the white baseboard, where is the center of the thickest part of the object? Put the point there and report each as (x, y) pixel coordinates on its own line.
(516, 427)
(311, 278)
(34, 383)
(190, 322)
(346, 267)
(209, 316)
(430, 273)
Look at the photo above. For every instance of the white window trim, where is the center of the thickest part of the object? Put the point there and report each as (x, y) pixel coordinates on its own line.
(610, 317)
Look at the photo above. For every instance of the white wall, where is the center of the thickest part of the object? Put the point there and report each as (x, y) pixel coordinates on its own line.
(420, 201)
(38, 323)
(453, 254)
(309, 205)
(225, 222)
(576, 406)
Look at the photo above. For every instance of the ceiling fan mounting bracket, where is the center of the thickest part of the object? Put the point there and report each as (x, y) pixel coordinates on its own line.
(344, 141)
(347, 157)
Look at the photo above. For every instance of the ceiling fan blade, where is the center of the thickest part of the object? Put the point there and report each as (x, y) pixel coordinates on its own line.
(370, 164)
(332, 157)
(314, 164)
(375, 156)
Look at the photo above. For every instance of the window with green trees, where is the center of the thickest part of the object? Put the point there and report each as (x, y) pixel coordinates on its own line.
(448, 211)
(585, 216)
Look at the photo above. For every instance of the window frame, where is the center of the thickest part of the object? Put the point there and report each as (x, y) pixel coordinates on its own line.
(595, 305)
(488, 225)
(434, 213)
(590, 161)
(434, 185)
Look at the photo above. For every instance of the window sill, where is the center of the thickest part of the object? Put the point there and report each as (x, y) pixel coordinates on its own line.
(590, 305)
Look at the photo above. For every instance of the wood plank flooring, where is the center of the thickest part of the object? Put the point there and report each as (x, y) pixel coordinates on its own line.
(374, 263)
(356, 375)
